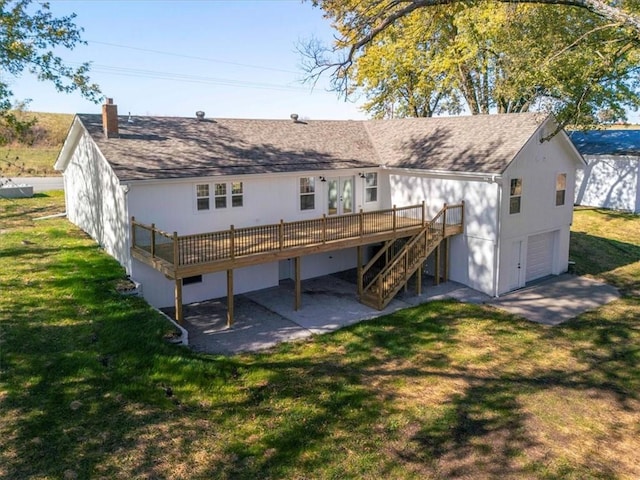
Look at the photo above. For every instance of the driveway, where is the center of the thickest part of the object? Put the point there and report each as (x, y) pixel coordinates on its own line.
(557, 299)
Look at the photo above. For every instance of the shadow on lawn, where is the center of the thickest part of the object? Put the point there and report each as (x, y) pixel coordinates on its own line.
(93, 389)
(596, 255)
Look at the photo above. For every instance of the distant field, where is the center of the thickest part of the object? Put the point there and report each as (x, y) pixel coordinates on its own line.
(36, 155)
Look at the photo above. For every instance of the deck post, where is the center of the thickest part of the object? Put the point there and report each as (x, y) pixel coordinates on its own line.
(153, 240)
(324, 228)
(406, 271)
(360, 286)
(394, 218)
(178, 301)
(446, 260)
(298, 288)
(229, 298)
(176, 251)
(281, 234)
(462, 215)
(419, 280)
(361, 223)
(232, 242)
(424, 213)
(444, 221)
(437, 272)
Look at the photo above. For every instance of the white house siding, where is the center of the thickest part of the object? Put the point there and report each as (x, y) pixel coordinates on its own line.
(95, 200)
(538, 165)
(266, 200)
(610, 181)
(159, 291)
(472, 253)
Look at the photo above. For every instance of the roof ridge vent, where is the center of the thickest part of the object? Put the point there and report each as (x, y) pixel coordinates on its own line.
(294, 117)
(200, 115)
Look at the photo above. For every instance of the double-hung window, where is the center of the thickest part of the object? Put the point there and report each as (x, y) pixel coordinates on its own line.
(220, 195)
(371, 187)
(515, 195)
(223, 194)
(202, 197)
(561, 188)
(307, 193)
(236, 194)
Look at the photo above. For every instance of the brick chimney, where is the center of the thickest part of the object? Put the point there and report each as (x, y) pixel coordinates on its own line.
(110, 119)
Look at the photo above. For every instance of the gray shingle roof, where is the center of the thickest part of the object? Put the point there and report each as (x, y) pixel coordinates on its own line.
(169, 147)
(479, 143)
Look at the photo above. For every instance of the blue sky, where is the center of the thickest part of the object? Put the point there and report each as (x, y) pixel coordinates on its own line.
(232, 59)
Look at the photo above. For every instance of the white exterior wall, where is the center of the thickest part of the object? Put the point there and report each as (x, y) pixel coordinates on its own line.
(266, 199)
(610, 181)
(472, 257)
(95, 200)
(538, 165)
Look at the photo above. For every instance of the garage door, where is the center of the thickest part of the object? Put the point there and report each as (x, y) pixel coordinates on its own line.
(539, 255)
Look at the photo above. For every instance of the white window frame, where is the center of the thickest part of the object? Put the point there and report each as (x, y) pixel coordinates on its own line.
(563, 190)
(306, 191)
(200, 196)
(371, 188)
(220, 195)
(515, 192)
(237, 194)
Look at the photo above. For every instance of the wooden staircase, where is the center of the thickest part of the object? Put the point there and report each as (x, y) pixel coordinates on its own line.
(392, 267)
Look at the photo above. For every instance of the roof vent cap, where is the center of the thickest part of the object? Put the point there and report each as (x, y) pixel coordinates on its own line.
(294, 117)
(200, 115)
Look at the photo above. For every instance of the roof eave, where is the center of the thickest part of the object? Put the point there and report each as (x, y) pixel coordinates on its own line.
(71, 141)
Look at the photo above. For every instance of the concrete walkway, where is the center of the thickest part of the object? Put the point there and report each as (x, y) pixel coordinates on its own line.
(266, 317)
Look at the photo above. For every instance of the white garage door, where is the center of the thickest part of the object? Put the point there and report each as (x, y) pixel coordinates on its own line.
(540, 255)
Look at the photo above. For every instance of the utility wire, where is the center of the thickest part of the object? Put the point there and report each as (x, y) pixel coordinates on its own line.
(180, 55)
(180, 77)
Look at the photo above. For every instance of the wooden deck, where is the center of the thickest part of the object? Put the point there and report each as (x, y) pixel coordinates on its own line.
(183, 256)
(178, 257)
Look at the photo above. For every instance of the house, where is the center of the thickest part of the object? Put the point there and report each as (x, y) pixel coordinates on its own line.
(249, 182)
(611, 178)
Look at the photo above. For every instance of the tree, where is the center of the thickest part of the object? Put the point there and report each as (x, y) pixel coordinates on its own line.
(506, 56)
(29, 35)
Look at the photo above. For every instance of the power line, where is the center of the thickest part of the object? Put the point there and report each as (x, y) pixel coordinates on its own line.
(203, 59)
(180, 77)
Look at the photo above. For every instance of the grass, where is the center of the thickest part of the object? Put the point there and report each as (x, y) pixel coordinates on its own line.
(36, 155)
(89, 388)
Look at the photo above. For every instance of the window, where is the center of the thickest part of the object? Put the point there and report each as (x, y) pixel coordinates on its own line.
(371, 187)
(561, 188)
(202, 197)
(236, 194)
(515, 195)
(220, 194)
(192, 280)
(307, 193)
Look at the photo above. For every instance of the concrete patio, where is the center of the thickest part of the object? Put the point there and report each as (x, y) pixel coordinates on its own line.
(265, 318)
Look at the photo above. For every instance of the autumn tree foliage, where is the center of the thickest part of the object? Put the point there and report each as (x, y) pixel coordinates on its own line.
(422, 58)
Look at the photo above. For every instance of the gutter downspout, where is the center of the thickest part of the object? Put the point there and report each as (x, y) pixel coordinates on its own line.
(496, 253)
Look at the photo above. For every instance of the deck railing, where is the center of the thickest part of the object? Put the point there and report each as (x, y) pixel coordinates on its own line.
(182, 250)
(385, 284)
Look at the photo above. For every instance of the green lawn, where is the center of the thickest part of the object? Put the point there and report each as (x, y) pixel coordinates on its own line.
(89, 388)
